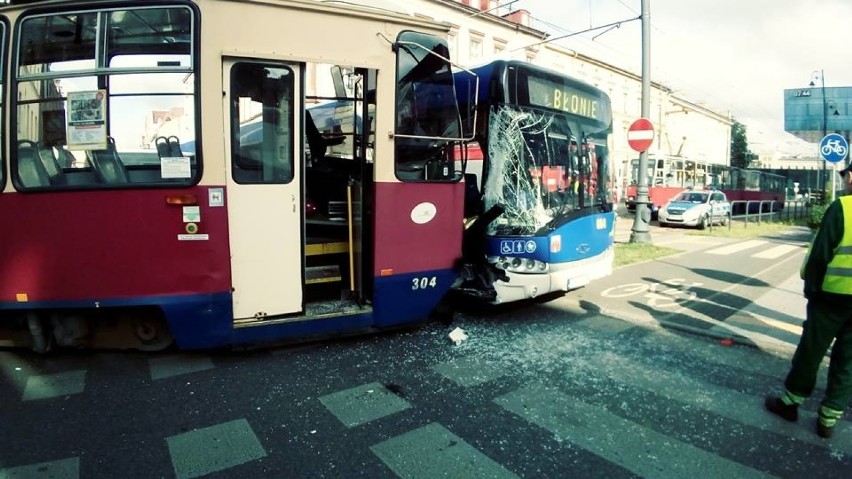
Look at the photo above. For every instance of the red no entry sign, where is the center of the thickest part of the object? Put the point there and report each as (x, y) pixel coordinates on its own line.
(640, 135)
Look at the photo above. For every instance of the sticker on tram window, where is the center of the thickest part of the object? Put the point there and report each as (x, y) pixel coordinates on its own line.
(423, 283)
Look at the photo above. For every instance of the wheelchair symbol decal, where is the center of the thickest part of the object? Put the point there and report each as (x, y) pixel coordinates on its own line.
(517, 246)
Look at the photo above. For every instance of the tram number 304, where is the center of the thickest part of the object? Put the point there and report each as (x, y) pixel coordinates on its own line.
(423, 283)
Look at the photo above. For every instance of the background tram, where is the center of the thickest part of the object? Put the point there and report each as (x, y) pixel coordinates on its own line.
(538, 178)
(668, 176)
(165, 182)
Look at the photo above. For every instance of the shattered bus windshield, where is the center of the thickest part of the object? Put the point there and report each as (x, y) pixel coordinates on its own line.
(544, 167)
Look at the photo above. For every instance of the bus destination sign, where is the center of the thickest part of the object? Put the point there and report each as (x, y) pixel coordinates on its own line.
(560, 97)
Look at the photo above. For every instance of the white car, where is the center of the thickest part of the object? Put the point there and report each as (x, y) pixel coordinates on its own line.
(696, 208)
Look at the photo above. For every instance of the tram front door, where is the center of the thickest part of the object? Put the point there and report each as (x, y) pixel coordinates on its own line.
(264, 192)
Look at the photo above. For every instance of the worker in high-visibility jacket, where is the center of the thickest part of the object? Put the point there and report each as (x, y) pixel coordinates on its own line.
(827, 273)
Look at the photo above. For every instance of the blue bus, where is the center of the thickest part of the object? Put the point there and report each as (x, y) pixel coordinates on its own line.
(538, 182)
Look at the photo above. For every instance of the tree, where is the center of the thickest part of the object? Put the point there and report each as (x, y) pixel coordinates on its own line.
(740, 154)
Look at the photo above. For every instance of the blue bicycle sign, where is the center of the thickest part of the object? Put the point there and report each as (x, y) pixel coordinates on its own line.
(833, 148)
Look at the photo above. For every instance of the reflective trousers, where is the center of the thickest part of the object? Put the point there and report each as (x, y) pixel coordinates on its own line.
(828, 317)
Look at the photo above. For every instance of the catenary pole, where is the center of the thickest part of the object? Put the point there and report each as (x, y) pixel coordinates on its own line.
(640, 233)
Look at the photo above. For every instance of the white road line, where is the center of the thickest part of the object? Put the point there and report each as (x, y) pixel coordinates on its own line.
(776, 252)
(434, 451)
(736, 247)
(774, 323)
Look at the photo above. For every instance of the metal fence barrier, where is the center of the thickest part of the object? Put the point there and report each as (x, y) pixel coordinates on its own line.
(758, 211)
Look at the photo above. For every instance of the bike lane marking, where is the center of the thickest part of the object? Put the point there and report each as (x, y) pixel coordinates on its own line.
(678, 292)
(667, 316)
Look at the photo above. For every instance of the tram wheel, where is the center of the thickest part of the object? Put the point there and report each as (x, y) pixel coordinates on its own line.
(152, 334)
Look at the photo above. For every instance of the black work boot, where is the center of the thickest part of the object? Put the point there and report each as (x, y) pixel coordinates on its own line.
(827, 418)
(823, 430)
(776, 406)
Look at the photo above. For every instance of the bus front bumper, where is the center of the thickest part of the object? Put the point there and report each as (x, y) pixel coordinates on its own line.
(561, 277)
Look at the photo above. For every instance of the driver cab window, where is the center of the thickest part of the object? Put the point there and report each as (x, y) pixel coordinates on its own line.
(427, 115)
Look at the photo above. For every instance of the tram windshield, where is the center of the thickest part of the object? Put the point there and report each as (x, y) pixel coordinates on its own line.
(427, 117)
(543, 167)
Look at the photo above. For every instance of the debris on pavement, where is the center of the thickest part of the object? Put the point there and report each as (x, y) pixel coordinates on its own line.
(457, 336)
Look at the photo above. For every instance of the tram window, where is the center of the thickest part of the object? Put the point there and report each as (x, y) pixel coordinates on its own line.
(426, 110)
(159, 82)
(95, 90)
(150, 30)
(57, 43)
(2, 105)
(262, 123)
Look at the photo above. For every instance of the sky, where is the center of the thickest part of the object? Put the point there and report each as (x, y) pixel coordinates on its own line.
(731, 55)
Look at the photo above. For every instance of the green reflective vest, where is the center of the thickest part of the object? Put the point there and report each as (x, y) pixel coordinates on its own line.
(838, 276)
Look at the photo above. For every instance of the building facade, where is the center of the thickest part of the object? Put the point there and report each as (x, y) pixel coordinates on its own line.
(482, 30)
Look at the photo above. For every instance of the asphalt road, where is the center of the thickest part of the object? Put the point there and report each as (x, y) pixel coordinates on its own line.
(596, 384)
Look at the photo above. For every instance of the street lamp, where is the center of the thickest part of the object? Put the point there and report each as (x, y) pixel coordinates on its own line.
(821, 75)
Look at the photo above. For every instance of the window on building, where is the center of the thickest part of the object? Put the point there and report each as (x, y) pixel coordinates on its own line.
(499, 47)
(475, 48)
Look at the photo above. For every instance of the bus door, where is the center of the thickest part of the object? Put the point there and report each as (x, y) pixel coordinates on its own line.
(264, 192)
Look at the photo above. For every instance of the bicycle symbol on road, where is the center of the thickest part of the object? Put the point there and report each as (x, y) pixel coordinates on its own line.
(665, 294)
(833, 146)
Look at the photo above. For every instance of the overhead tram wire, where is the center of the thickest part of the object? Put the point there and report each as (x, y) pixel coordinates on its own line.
(553, 39)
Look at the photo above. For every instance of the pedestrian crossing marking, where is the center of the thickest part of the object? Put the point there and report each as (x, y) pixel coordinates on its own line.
(470, 371)
(55, 385)
(176, 365)
(434, 451)
(736, 247)
(776, 252)
(69, 468)
(214, 448)
(616, 439)
(364, 403)
(715, 399)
